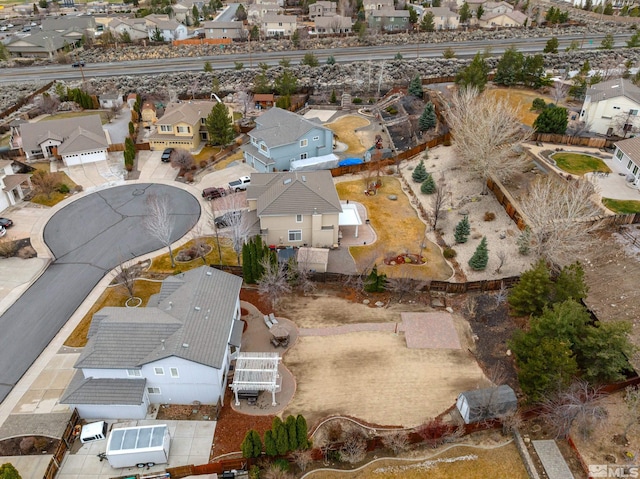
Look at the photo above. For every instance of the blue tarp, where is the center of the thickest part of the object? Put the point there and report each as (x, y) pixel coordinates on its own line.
(351, 161)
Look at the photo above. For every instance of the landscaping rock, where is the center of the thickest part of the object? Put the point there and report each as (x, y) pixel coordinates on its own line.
(449, 309)
(392, 197)
(366, 301)
(379, 304)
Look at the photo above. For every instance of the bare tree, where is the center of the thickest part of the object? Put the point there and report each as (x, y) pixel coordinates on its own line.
(487, 135)
(397, 441)
(233, 211)
(625, 123)
(182, 159)
(354, 447)
(632, 415)
(126, 275)
(438, 200)
(404, 285)
(578, 405)
(302, 458)
(501, 296)
(577, 128)
(562, 216)
(299, 273)
(502, 259)
(345, 8)
(159, 223)
(273, 284)
(511, 421)
(559, 91)
(44, 182)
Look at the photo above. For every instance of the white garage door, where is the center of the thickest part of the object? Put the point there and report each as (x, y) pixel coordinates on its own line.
(72, 160)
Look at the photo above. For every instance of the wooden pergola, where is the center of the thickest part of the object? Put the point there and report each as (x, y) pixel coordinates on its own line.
(256, 372)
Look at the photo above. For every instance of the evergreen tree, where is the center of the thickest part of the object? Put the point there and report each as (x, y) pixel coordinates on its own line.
(420, 173)
(207, 65)
(302, 432)
(375, 283)
(270, 447)
(533, 73)
(462, 230)
(246, 264)
(415, 87)
(331, 60)
(464, 13)
(428, 186)
(292, 433)
(608, 42)
(428, 118)
(551, 46)
(282, 440)
(310, 59)
(427, 24)
(156, 36)
(220, 125)
(480, 258)
(474, 75)
(509, 69)
(552, 120)
(570, 284)
(533, 291)
(286, 84)
(524, 242)
(7, 471)
(334, 98)
(251, 445)
(479, 12)
(261, 83)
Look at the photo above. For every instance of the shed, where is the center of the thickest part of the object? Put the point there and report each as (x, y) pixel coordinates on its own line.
(482, 404)
(314, 259)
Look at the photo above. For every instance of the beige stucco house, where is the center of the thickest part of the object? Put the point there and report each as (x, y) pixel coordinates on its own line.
(296, 208)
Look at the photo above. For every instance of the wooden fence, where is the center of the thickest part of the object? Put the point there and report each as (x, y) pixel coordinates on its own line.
(24, 100)
(506, 200)
(203, 41)
(587, 141)
(63, 446)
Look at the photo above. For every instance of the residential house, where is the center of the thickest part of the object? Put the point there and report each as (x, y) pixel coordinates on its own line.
(389, 20)
(279, 3)
(278, 25)
(148, 115)
(39, 44)
(76, 140)
(497, 7)
(182, 14)
(281, 137)
(611, 107)
(13, 187)
(136, 28)
(177, 350)
(112, 99)
(627, 152)
(131, 100)
(296, 208)
(322, 8)
(68, 22)
(257, 11)
(264, 100)
(332, 25)
(371, 6)
(182, 126)
(231, 30)
(169, 29)
(443, 18)
(511, 19)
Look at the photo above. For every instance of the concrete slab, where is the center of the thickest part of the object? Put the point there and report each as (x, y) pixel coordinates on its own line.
(29, 466)
(323, 115)
(552, 460)
(151, 167)
(15, 275)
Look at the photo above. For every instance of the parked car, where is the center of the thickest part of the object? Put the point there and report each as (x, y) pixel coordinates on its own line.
(6, 222)
(166, 155)
(215, 192)
(227, 219)
(77, 64)
(3, 231)
(240, 184)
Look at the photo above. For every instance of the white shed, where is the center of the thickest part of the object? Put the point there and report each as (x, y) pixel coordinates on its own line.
(482, 404)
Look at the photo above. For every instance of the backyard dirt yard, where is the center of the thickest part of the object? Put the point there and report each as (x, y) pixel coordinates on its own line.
(372, 375)
(521, 99)
(345, 129)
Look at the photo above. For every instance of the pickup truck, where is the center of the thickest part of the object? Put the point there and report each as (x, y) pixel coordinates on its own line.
(240, 184)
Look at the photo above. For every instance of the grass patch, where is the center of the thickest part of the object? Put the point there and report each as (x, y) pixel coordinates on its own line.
(74, 114)
(221, 165)
(207, 153)
(622, 207)
(112, 296)
(520, 99)
(579, 164)
(344, 128)
(500, 462)
(399, 230)
(162, 263)
(55, 197)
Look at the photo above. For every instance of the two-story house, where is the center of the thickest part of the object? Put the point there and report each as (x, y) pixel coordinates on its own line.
(389, 20)
(296, 208)
(182, 126)
(136, 28)
(278, 25)
(627, 152)
(611, 107)
(169, 29)
(371, 6)
(231, 30)
(443, 18)
(332, 25)
(257, 11)
(76, 140)
(322, 8)
(177, 350)
(281, 137)
(11, 185)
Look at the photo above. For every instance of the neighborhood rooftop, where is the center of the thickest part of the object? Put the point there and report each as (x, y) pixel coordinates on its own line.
(269, 127)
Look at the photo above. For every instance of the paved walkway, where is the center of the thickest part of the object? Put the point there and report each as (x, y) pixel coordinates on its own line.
(552, 460)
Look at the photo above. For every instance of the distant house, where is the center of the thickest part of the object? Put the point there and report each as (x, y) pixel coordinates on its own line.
(443, 18)
(148, 115)
(371, 6)
(66, 22)
(332, 25)
(257, 11)
(389, 20)
(264, 100)
(12, 186)
(485, 404)
(296, 209)
(507, 19)
(281, 137)
(111, 100)
(322, 8)
(230, 30)
(136, 28)
(611, 107)
(169, 29)
(177, 350)
(278, 25)
(182, 126)
(38, 44)
(76, 140)
(627, 152)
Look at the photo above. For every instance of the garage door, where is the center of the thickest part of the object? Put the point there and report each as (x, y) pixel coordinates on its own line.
(72, 160)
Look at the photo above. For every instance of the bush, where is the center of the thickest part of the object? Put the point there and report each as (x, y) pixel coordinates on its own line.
(64, 189)
(446, 142)
(391, 110)
(538, 104)
(282, 464)
(357, 101)
(203, 164)
(489, 216)
(188, 177)
(449, 253)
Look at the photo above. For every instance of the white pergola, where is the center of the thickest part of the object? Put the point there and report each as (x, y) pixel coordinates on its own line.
(349, 216)
(256, 372)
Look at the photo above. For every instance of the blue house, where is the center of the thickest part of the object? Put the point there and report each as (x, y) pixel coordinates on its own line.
(281, 137)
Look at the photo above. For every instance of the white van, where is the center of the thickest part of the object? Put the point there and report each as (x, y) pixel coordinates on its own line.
(96, 431)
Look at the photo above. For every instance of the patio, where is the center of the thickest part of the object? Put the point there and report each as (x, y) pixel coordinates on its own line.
(354, 225)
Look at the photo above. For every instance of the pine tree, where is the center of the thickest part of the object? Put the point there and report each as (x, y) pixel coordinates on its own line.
(524, 242)
(270, 447)
(282, 440)
(428, 118)
(246, 264)
(462, 231)
(415, 87)
(220, 125)
(8, 471)
(251, 445)
(375, 283)
(428, 185)
(334, 98)
(480, 258)
(420, 173)
(301, 432)
(292, 433)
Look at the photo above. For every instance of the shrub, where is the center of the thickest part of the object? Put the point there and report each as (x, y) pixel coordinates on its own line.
(538, 104)
(449, 253)
(489, 216)
(390, 171)
(391, 110)
(203, 164)
(462, 230)
(354, 448)
(26, 444)
(334, 431)
(64, 189)
(188, 177)
(357, 101)
(283, 464)
(435, 432)
(446, 142)
(480, 258)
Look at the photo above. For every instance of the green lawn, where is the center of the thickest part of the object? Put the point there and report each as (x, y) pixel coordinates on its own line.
(74, 114)
(578, 164)
(622, 207)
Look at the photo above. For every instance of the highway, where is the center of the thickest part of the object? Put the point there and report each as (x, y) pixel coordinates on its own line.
(250, 60)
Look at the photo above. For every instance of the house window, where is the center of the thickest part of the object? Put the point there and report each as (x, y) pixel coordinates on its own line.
(616, 107)
(174, 372)
(153, 390)
(629, 165)
(136, 373)
(298, 218)
(303, 156)
(635, 170)
(619, 154)
(184, 129)
(263, 147)
(203, 121)
(166, 128)
(316, 138)
(633, 112)
(304, 143)
(159, 371)
(295, 235)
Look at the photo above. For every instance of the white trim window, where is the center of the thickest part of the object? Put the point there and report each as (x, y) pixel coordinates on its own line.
(174, 372)
(298, 218)
(295, 235)
(158, 371)
(316, 138)
(153, 390)
(166, 128)
(134, 373)
(619, 155)
(304, 143)
(303, 156)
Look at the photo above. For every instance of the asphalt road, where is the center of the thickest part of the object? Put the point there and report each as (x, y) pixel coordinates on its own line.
(88, 238)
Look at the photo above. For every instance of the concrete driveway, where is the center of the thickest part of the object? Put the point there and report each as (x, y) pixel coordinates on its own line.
(118, 129)
(87, 239)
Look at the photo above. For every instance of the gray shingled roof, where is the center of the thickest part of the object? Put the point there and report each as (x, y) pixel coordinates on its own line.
(490, 402)
(191, 318)
(66, 22)
(187, 112)
(121, 392)
(612, 89)
(306, 193)
(279, 127)
(88, 127)
(631, 148)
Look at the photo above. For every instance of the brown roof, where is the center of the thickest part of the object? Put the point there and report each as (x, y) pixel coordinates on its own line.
(263, 97)
(11, 181)
(188, 112)
(630, 147)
